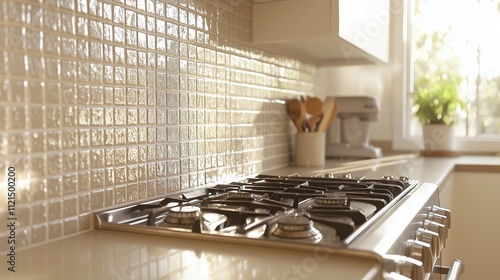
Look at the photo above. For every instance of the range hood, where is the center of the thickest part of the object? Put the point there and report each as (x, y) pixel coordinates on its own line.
(324, 32)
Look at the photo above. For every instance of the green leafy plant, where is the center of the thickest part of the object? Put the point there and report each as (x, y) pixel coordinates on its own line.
(436, 99)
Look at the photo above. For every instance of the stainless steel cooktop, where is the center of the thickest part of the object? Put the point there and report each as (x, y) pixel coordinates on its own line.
(324, 209)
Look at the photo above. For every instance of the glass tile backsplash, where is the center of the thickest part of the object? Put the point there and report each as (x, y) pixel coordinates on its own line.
(106, 102)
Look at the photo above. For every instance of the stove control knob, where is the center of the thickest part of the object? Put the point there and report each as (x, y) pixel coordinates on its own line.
(440, 219)
(431, 238)
(442, 211)
(437, 228)
(404, 266)
(420, 251)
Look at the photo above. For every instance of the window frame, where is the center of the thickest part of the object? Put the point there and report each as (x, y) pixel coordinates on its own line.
(402, 84)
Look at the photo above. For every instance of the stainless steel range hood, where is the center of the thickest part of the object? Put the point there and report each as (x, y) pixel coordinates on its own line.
(324, 32)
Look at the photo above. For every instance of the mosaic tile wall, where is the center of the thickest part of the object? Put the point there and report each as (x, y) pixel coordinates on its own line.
(107, 102)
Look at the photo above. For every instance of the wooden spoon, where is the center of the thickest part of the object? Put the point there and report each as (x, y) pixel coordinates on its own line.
(314, 107)
(295, 112)
(329, 114)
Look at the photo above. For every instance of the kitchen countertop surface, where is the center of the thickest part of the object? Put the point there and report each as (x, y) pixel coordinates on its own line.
(99, 254)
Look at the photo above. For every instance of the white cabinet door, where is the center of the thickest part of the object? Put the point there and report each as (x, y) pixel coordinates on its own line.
(324, 32)
(474, 237)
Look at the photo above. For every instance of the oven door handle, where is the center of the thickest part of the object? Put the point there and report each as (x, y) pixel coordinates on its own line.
(453, 272)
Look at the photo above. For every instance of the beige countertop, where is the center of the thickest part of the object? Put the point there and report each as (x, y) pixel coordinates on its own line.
(112, 255)
(425, 169)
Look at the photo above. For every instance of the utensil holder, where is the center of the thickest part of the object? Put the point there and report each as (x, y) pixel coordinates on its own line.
(310, 149)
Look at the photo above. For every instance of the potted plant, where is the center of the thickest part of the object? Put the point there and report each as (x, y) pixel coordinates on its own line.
(436, 103)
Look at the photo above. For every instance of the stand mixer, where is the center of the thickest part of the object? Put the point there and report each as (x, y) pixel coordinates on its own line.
(348, 135)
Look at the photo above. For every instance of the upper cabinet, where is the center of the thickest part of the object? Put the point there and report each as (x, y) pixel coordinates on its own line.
(324, 32)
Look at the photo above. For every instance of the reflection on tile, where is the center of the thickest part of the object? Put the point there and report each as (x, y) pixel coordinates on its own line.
(70, 207)
(97, 200)
(39, 233)
(132, 135)
(70, 226)
(120, 194)
(55, 210)
(111, 102)
(97, 137)
(55, 229)
(84, 222)
(84, 203)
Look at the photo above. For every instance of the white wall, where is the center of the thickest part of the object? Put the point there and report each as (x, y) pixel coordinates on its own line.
(361, 80)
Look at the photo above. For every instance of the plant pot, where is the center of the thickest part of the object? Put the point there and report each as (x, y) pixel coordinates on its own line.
(438, 137)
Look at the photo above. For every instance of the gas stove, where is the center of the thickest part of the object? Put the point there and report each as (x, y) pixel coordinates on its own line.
(341, 213)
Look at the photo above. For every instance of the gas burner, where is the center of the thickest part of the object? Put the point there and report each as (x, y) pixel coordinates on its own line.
(239, 195)
(183, 215)
(339, 200)
(293, 226)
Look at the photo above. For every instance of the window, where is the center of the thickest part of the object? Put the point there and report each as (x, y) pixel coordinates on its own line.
(460, 38)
